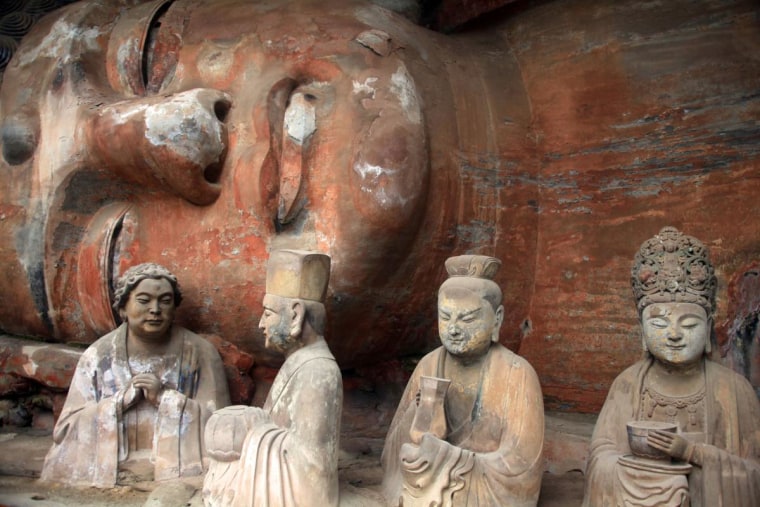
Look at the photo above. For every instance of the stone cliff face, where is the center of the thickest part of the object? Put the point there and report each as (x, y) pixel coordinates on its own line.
(603, 123)
(644, 114)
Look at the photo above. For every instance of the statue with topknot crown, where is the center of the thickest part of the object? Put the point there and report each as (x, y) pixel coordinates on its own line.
(676, 429)
(469, 429)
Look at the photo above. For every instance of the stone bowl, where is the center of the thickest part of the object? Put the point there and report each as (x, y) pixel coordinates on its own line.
(637, 438)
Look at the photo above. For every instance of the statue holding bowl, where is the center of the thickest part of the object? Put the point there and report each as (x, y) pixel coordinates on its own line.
(676, 428)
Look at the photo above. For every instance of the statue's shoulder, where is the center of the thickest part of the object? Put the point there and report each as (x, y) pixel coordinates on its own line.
(429, 361)
(629, 379)
(501, 355)
(717, 371)
(105, 342)
(193, 338)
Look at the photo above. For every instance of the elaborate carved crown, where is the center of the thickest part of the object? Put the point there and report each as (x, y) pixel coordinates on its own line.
(473, 266)
(673, 267)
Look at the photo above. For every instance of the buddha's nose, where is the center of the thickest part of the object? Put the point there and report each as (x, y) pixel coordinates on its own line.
(176, 143)
(674, 333)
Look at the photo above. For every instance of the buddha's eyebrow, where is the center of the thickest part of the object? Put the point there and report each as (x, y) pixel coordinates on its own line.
(467, 313)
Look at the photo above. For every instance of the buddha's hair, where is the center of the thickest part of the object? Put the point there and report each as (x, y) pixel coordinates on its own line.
(136, 274)
(475, 273)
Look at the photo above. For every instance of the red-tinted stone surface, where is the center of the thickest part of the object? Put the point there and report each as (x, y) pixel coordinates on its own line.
(27, 366)
(645, 115)
(559, 136)
(740, 331)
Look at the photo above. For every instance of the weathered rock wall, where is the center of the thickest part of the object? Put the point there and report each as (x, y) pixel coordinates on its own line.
(645, 115)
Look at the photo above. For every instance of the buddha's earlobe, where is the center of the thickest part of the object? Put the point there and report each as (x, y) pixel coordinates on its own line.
(499, 318)
(298, 314)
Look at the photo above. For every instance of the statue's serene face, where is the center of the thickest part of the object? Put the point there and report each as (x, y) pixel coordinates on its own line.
(675, 333)
(149, 310)
(276, 323)
(467, 323)
(202, 135)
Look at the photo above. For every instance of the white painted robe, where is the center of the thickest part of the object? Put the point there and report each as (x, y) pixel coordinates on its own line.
(92, 435)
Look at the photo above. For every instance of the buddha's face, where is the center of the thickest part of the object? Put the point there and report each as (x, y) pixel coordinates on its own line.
(149, 311)
(202, 135)
(675, 333)
(467, 323)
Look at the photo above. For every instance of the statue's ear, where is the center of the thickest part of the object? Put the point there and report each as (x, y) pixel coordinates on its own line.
(497, 323)
(298, 312)
(123, 314)
(710, 336)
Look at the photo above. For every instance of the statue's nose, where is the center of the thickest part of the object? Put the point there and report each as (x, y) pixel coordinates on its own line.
(176, 143)
(674, 333)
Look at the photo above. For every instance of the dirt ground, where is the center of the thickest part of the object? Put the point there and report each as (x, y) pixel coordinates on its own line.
(22, 454)
(557, 491)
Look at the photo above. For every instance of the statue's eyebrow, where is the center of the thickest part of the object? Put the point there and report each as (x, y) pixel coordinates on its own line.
(470, 312)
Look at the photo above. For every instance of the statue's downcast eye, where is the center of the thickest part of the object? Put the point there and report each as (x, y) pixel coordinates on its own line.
(160, 49)
(143, 48)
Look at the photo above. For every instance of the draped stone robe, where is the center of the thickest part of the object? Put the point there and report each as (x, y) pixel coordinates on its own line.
(493, 460)
(730, 472)
(92, 435)
(289, 457)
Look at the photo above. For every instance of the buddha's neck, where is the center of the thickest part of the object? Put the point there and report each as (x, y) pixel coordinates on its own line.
(139, 348)
(677, 380)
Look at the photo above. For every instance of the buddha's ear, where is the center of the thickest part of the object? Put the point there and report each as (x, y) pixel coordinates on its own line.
(298, 314)
(499, 319)
(710, 334)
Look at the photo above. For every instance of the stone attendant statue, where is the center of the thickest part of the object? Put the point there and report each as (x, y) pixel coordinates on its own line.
(714, 456)
(479, 440)
(140, 395)
(285, 453)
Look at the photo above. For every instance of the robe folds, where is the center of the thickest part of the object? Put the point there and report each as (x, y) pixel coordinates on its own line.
(495, 459)
(730, 471)
(91, 436)
(289, 456)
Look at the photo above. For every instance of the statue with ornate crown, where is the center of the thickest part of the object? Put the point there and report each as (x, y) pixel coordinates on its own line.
(677, 428)
(469, 429)
(286, 453)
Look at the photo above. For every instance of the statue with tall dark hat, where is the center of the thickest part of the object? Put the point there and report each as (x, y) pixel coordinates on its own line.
(286, 452)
